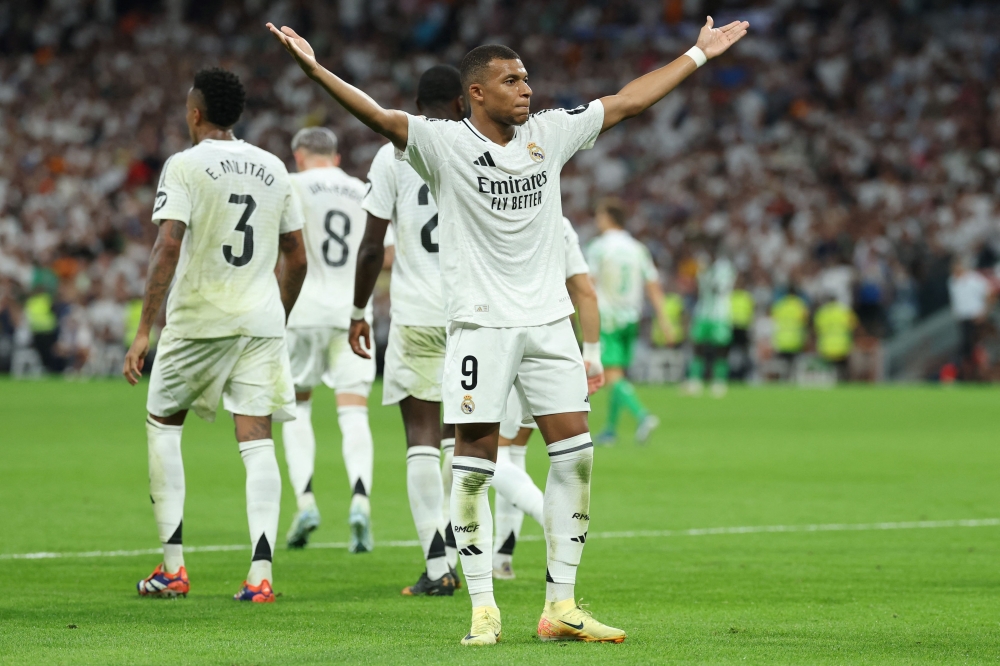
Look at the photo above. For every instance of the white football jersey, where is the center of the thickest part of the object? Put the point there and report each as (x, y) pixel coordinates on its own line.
(501, 236)
(621, 267)
(397, 193)
(235, 199)
(334, 225)
(575, 263)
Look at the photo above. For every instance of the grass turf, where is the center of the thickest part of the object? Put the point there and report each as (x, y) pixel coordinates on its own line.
(73, 464)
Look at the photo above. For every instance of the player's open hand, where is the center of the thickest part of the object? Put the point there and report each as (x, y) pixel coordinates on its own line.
(297, 46)
(716, 41)
(595, 377)
(135, 359)
(360, 329)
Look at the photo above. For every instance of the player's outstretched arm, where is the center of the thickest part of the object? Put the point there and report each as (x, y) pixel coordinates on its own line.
(371, 258)
(390, 123)
(650, 88)
(293, 268)
(581, 291)
(162, 266)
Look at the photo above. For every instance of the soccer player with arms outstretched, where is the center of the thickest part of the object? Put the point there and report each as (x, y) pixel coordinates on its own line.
(334, 222)
(226, 213)
(495, 178)
(414, 358)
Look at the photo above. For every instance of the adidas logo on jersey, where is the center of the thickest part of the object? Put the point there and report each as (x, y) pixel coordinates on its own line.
(485, 160)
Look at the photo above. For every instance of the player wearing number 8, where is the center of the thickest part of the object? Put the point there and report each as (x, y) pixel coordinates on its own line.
(317, 334)
(225, 210)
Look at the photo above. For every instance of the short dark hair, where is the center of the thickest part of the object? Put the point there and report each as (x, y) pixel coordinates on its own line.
(316, 140)
(615, 209)
(476, 61)
(439, 85)
(223, 94)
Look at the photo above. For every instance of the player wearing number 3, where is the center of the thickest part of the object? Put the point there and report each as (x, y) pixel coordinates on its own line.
(226, 212)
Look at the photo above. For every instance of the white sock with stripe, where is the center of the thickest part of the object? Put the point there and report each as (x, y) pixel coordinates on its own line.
(359, 453)
(166, 489)
(423, 486)
(300, 453)
(263, 505)
(567, 511)
(516, 495)
(473, 525)
(447, 453)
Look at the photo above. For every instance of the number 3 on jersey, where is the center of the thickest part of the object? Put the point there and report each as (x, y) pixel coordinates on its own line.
(425, 231)
(244, 227)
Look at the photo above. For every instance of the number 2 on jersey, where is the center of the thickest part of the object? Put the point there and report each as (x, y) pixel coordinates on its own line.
(431, 225)
(242, 226)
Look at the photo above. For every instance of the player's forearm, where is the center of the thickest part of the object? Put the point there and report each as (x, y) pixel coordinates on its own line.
(162, 266)
(390, 123)
(370, 259)
(581, 291)
(645, 91)
(294, 267)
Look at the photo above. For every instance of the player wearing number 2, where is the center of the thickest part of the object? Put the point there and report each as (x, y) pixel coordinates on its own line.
(317, 335)
(225, 211)
(495, 178)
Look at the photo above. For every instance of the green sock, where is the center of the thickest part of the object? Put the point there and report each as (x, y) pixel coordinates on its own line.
(625, 393)
(720, 370)
(697, 369)
(614, 409)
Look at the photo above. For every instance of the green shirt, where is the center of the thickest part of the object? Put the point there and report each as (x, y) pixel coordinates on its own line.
(790, 314)
(621, 266)
(715, 289)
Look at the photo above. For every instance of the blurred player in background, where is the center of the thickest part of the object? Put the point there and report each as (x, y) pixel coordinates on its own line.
(624, 272)
(317, 335)
(712, 325)
(495, 179)
(226, 213)
(516, 493)
(414, 359)
(742, 309)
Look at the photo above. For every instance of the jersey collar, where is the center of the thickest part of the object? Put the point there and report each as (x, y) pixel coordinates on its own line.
(482, 137)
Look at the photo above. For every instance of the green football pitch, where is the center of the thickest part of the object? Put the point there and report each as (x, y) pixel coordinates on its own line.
(856, 525)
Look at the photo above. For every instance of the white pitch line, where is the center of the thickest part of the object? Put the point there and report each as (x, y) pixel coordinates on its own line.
(638, 534)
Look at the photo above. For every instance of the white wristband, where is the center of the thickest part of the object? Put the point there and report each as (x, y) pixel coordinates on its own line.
(592, 352)
(697, 55)
(357, 313)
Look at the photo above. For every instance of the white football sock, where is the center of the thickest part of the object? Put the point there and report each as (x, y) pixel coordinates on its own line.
(447, 453)
(263, 505)
(423, 485)
(166, 489)
(516, 495)
(300, 453)
(567, 508)
(473, 525)
(358, 450)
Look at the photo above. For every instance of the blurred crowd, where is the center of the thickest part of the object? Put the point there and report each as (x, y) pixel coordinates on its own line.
(844, 150)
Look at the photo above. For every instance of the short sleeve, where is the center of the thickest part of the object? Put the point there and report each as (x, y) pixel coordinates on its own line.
(424, 146)
(380, 200)
(649, 273)
(173, 198)
(575, 263)
(574, 129)
(390, 236)
(291, 214)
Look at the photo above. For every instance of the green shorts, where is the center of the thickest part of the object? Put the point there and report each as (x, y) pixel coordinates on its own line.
(709, 332)
(617, 346)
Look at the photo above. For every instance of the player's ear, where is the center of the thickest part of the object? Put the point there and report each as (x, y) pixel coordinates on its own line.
(476, 92)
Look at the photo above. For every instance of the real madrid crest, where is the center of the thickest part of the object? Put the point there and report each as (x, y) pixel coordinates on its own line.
(467, 405)
(536, 152)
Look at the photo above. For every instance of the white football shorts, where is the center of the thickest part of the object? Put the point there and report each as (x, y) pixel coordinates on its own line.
(543, 363)
(414, 363)
(515, 419)
(323, 356)
(251, 375)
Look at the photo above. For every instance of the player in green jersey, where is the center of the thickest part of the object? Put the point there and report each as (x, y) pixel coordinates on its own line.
(712, 326)
(623, 270)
